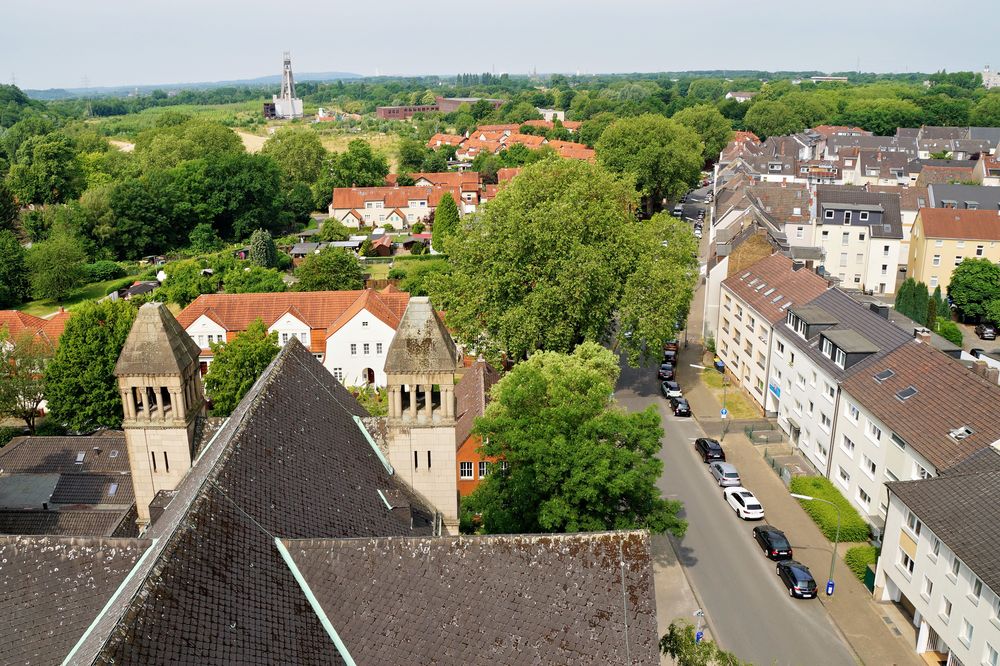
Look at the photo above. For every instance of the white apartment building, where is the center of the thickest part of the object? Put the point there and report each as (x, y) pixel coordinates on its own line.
(752, 302)
(348, 331)
(909, 415)
(939, 561)
(815, 347)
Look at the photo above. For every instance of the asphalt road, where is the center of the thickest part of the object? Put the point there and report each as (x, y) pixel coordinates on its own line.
(749, 608)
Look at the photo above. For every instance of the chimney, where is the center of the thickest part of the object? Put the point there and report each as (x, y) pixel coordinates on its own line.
(45, 506)
(879, 309)
(922, 335)
(993, 374)
(798, 265)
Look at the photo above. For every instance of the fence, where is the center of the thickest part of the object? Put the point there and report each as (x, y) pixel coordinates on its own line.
(783, 472)
(763, 432)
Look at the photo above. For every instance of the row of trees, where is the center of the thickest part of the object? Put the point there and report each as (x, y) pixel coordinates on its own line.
(914, 300)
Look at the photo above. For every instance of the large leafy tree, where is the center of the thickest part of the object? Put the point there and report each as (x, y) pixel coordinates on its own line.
(332, 269)
(298, 152)
(56, 266)
(986, 112)
(253, 280)
(883, 116)
(9, 210)
(262, 250)
(186, 280)
(236, 365)
(80, 382)
(714, 129)
(772, 118)
(663, 157)
(358, 166)
(682, 645)
(974, 283)
(177, 138)
(445, 222)
(22, 375)
(576, 462)
(46, 171)
(548, 263)
(13, 270)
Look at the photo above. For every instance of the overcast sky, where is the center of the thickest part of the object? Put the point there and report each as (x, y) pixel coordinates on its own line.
(64, 43)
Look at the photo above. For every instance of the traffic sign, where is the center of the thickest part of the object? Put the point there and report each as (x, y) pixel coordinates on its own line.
(724, 413)
(698, 636)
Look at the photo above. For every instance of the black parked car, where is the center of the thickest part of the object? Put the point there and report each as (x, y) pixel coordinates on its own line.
(709, 449)
(797, 578)
(986, 332)
(773, 542)
(670, 357)
(680, 407)
(666, 372)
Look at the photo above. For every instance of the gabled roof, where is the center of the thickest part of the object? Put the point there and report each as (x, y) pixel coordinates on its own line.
(984, 197)
(291, 462)
(18, 323)
(445, 140)
(104, 454)
(471, 396)
(156, 345)
(422, 343)
(961, 507)
(911, 198)
(507, 173)
(483, 600)
(53, 587)
(378, 304)
(949, 396)
(961, 224)
(846, 195)
(775, 272)
(391, 197)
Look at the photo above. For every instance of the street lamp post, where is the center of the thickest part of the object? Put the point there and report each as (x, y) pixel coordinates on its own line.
(833, 557)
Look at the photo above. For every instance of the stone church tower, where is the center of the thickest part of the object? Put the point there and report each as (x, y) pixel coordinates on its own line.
(420, 370)
(162, 396)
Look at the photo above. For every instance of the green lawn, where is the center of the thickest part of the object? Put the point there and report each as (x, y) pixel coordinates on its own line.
(739, 406)
(378, 271)
(90, 292)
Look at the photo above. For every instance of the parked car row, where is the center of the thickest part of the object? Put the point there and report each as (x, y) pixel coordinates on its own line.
(795, 576)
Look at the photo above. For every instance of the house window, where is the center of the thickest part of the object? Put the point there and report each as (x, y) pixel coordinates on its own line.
(845, 478)
(799, 232)
(484, 469)
(935, 548)
(843, 258)
(920, 472)
(428, 460)
(825, 422)
(885, 268)
(905, 563)
(848, 446)
(958, 260)
(847, 217)
(885, 250)
(845, 238)
(863, 216)
(966, 634)
(465, 470)
(960, 243)
(828, 214)
(364, 324)
(354, 349)
(831, 392)
(284, 338)
(366, 349)
(378, 347)
(956, 566)
(874, 432)
(945, 609)
(934, 281)
(912, 522)
(840, 358)
(338, 374)
(979, 250)
(939, 243)
(927, 589)
(864, 498)
(861, 236)
(853, 412)
(780, 347)
(992, 657)
(869, 467)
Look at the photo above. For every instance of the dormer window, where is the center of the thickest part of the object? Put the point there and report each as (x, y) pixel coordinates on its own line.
(863, 216)
(847, 217)
(828, 214)
(839, 357)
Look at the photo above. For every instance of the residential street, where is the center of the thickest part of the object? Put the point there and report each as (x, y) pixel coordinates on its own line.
(747, 607)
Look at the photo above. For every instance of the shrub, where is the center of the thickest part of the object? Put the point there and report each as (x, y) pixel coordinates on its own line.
(8, 433)
(397, 273)
(417, 228)
(858, 559)
(852, 528)
(120, 284)
(950, 331)
(101, 271)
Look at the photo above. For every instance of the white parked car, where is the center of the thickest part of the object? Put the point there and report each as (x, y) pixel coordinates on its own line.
(744, 503)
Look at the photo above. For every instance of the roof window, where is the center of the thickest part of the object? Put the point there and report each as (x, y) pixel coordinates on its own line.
(906, 393)
(80, 456)
(961, 433)
(884, 375)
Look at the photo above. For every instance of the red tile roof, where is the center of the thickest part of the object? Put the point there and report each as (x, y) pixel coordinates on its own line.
(948, 397)
(931, 174)
(392, 197)
(572, 125)
(323, 311)
(754, 286)
(910, 198)
(464, 180)
(18, 323)
(444, 140)
(507, 173)
(507, 127)
(529, 140)
(960, 223)
(581, 153)
(830, 130)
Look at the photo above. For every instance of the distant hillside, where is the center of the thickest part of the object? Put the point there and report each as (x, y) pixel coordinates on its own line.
(117, 91)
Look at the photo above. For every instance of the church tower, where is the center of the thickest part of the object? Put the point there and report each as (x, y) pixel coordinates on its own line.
(162, 397)
(420, 370)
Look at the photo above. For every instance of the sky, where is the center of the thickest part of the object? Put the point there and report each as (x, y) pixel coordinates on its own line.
(69, 43)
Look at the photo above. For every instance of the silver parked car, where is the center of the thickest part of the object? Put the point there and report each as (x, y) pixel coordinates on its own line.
(725, 473)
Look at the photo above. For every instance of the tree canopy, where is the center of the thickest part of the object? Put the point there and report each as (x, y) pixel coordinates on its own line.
(262, 250)
(80, 383)
(237, 364)
(445, 222)
(772, 118)
(575, 461)
(13, 270)
(253, 280)
(298, 152)
(714, 129)
(974, 284)
(663, 157)
(547, 264)
(22, 375)
(56, 266)
(332, 269)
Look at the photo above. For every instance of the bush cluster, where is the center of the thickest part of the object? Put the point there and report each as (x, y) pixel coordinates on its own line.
(852, 528)
(858, 559)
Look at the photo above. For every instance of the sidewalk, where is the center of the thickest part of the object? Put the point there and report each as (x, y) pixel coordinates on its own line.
(675, 599)
(860, 619)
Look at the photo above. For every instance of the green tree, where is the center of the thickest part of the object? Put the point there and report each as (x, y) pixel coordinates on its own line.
(332, 269)
(986, 112)
(993, 311)
(9, 210)
(662, 156)
(204, 239)
(445, 222)
(681, 644)
(592, 129)
(358, 166)
(974, 283)
(236, 365)
(883, 116)
(179, 138)
(770, 118)
(253, 280)
(419, 275)
(334, 230)
(920, 300)
(576, 461)
(714, 129)
(56, 266)
(298, 152)
(950, 331)
(942, 305)
(47, 171)
(262, 250)
(80, 383)
(22, 375)
(13, 271)
(905, 297)
(548, 262)
(186, 280)
(412, 154)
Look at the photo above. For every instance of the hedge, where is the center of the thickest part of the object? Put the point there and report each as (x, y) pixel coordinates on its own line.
(852, 527)
(858, 559)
